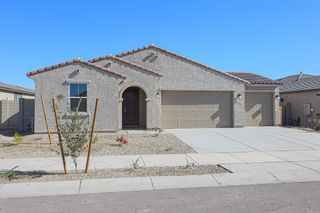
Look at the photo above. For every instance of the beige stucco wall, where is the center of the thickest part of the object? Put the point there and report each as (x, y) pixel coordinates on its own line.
(147, 81)
(182, 75)
(177, 75)
(102, 85)
(297, 100)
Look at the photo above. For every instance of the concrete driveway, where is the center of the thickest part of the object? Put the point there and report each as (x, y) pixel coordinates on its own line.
(249, 139)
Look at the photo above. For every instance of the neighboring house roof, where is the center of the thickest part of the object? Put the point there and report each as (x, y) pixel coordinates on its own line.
(46, 69)
(295, 77)
(126, 62)
(254, 78)
(304, 84)
(17, 89)
(179, 56)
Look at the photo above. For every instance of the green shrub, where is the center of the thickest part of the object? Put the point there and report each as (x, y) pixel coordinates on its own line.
(11, 174)
(95, 139)
(17, 137)
(74, 133)
(317, 125)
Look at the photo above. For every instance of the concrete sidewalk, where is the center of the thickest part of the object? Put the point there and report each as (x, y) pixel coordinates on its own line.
(248, 168)
(150, 183)
(125, 161)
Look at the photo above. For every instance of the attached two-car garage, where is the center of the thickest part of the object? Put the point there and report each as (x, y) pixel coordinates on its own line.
(210, 109)
(196, 109)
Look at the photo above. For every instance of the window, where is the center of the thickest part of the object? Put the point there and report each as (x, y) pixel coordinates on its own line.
(78, 93)
(17, 96)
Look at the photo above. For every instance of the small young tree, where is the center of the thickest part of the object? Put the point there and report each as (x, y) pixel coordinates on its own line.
(74, 133)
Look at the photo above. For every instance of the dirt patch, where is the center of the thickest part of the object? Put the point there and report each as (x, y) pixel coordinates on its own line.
(42, 176)
(34, 146)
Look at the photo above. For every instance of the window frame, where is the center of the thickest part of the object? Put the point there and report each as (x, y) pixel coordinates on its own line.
(17, 96)
(77, 97)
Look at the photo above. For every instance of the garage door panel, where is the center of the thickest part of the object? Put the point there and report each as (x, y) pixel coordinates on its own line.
(259, 108)
(196, 109)
(185, 123)
(170, 124)
(188, 113)
(171, 113)
(203, 115)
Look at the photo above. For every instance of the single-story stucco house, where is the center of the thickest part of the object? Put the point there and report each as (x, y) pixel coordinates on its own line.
(300, 99)
(151, 87)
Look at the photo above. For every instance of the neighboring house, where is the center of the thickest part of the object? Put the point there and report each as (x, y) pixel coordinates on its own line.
(16, 108)
(14, 93)
(300, 97)
(151, 88)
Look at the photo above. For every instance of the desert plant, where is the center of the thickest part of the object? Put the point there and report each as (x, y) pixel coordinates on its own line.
(121, 140)
(317, 124)
(95, 139)
(157, 132)
(17, 137)
(11, 174)
(168, 149)
(188, 164)
(135, 163)
(74, 133)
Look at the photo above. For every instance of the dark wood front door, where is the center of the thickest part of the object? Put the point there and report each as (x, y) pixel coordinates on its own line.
(130, 107)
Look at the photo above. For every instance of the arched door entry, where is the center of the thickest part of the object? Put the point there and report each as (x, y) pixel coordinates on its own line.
(133, 108)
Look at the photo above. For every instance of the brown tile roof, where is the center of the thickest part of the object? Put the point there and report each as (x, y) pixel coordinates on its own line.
(254, 78)
(46, 69)
(179, 56)
(125, 62)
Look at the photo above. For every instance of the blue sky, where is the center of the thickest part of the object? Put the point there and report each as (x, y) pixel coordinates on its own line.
(273, 38)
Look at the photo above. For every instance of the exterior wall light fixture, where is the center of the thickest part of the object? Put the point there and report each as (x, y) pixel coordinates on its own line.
(239, 97)
(158, 93)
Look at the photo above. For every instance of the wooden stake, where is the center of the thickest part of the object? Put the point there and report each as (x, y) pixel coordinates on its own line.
(91, 134)
(59, 136)
(46, 120)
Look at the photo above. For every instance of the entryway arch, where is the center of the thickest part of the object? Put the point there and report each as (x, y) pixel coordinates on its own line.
(134, 108)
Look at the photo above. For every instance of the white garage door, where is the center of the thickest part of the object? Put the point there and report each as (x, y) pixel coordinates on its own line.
(193, 109)
(259, 108)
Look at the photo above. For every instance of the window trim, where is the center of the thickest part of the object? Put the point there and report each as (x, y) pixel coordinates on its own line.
(69, 96)
(15, 95)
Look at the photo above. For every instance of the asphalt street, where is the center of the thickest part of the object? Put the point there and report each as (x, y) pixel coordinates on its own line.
(286, 197)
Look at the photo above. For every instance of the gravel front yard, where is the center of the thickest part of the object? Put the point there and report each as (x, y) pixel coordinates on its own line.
(33, 146)
(41, 176)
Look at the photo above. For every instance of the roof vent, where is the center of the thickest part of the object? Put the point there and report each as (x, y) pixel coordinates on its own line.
(300, 76)
(107, 65)
(148, 57)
